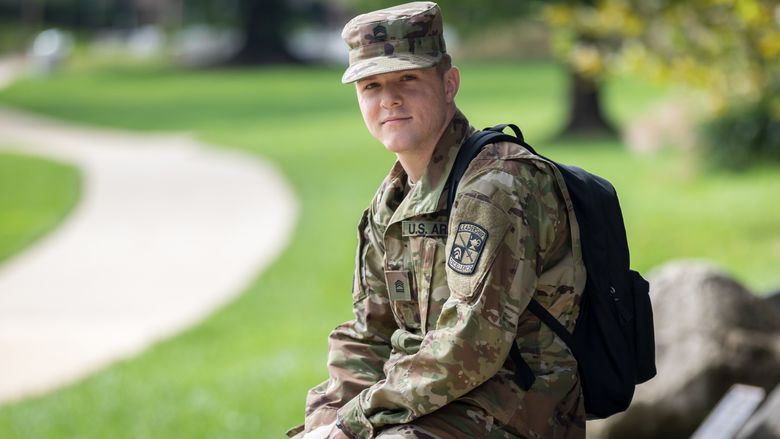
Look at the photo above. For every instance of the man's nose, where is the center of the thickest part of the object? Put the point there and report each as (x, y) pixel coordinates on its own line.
(390, 98)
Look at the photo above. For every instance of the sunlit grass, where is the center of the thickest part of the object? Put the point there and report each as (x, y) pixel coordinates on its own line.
(35, 195)
(244, 371)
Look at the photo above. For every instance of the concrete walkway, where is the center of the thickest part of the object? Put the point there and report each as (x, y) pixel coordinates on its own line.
(166, 231)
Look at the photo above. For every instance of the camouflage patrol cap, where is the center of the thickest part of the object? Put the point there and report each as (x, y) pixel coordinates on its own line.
(407, 36)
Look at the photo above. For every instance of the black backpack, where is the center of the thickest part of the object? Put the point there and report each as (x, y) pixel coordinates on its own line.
(613, 338)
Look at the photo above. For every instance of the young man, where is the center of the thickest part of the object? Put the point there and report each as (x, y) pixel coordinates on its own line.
(439, 298)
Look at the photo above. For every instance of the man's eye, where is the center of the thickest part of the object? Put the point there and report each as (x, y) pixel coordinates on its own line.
(408, 77)
(370, 85)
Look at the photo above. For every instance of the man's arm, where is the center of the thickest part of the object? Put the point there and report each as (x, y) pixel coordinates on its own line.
(478, 323)
(358, 349)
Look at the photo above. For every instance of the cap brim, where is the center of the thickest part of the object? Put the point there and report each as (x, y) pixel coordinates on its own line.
(387, 64)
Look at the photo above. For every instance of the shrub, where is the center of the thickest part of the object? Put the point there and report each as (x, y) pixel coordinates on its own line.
(743, 136)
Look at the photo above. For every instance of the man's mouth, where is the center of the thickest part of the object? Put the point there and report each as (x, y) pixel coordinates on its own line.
(395, 119)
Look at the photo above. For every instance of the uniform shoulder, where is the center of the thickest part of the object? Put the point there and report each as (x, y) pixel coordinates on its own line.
(504, 173)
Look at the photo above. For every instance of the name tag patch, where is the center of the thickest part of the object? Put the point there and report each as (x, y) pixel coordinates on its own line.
(469, 242)
(398, 285)
(423, 228)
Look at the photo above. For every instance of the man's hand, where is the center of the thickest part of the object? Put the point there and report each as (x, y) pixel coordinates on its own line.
(329, 431)
(336, 433)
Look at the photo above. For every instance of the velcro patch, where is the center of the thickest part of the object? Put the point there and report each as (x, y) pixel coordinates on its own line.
(398, 286)
(423, 228)
(469, 242)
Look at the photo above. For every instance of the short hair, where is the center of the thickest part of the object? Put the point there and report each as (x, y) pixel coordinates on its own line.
(444, 65)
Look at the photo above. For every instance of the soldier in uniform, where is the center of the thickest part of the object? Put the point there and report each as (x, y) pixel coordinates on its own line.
(439, 297)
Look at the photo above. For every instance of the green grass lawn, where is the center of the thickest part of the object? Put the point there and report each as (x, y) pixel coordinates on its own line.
(35, 195)
(245, 370)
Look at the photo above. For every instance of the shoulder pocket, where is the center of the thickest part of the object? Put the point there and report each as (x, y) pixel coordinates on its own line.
(476, 234)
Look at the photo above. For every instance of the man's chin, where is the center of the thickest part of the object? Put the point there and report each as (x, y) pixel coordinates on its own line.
(397, 145)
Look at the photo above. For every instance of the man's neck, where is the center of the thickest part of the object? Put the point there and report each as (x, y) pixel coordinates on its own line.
(415, 161)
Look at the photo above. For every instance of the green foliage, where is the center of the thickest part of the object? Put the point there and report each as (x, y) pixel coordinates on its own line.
(245, 370)
(729, 50)
(587, 34)
(679, 41)
(752, 129)
(35, 195)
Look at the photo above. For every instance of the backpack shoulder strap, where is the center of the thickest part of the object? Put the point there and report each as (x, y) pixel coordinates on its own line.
(552, 323)
(470, 148)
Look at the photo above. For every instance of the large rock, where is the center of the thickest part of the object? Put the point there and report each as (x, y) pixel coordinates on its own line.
(710, 333)
(774, 298)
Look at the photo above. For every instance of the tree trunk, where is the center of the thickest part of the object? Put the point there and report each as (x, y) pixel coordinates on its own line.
(30, 21)
(586, 117)
(263, 24)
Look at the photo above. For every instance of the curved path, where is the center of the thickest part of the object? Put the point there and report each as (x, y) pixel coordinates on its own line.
(166, 230)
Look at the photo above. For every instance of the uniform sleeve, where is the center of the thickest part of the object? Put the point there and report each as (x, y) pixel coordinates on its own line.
(358, 349)
(492, 243)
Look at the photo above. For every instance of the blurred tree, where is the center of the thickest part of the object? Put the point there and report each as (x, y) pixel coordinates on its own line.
(263, 24)
(82, 15)
(25, 18)
(730, 49)
(578, 37)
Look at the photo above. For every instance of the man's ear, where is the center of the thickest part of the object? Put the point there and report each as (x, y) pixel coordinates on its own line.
(451, 84)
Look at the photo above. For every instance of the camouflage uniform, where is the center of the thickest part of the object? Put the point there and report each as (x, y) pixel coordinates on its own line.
(433, 327)
(439, 299)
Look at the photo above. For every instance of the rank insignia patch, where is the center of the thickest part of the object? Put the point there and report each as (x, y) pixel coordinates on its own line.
(398, 285)
(469, 241)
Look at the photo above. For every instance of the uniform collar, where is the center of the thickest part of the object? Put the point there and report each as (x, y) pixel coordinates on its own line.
(425, 197)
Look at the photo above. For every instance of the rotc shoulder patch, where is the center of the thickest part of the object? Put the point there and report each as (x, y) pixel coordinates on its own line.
(469, 241)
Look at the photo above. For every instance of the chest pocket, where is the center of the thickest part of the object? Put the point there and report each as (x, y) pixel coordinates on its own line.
(424, 260)
(432, 279)
(403, 292)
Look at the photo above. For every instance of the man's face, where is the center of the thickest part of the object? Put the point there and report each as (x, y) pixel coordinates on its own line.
(407, 110)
